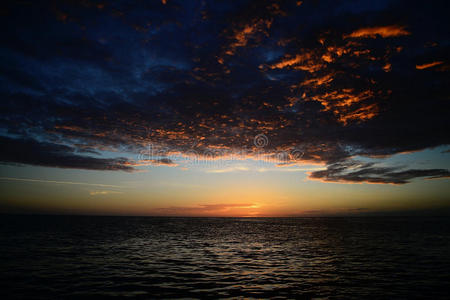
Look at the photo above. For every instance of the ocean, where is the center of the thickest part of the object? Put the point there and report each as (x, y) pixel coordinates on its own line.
(74, 257)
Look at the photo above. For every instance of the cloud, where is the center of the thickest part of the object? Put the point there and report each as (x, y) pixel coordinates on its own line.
(429, 65)
(355, 172)
(32, 152)
(155, 162)
(205, 83)
(281, 168)
(228, 170)
(383, 31)
(241, 36)
(291, 61)
(59, 182)
(103, 192)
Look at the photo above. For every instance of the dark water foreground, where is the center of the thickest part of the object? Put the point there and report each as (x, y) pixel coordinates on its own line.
(74, 257)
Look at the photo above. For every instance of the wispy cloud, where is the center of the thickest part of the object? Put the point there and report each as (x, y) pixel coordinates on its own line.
(285, 169)
(228, 170)
(95, 193)
(429, 65)
(60, 182)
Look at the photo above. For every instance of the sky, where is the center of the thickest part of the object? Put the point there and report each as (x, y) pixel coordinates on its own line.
(225, 108)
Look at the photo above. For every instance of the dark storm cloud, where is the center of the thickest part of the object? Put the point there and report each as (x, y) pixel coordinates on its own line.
(32, 152)
(329, 79)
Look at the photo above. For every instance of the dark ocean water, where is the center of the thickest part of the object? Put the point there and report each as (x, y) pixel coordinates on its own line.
(60, 257)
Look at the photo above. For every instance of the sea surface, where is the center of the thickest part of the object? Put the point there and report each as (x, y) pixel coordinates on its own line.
(74, 257)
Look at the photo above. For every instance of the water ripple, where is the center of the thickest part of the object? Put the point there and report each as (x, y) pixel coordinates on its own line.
(72, 257)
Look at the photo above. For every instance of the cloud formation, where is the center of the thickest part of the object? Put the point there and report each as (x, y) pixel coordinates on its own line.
(383, 31)
(32, 152)
(329, 79)
(354, 172)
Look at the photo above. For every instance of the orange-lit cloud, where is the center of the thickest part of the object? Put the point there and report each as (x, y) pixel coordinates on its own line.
(290, 61)
(383, 31)
(345, 104)
(363, 113)
(317, 81)
(307, 61)
(429, 65)
(242, 36)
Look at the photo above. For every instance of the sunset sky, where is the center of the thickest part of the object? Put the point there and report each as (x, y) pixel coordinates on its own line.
(225, 108)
